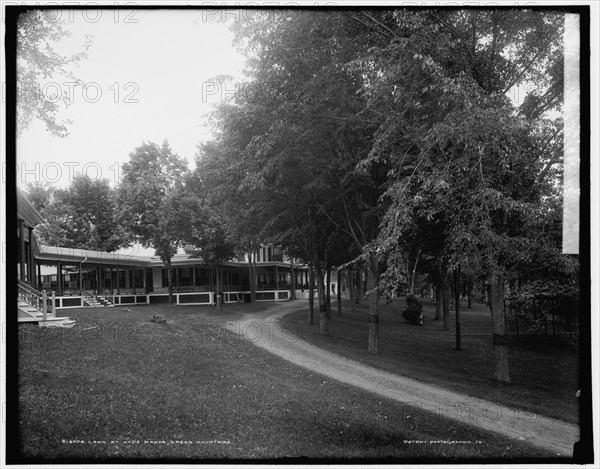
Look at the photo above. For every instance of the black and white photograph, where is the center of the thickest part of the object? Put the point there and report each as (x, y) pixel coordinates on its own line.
(300, 233)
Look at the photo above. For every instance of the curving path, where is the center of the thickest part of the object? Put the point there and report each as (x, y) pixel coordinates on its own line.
(264, 331)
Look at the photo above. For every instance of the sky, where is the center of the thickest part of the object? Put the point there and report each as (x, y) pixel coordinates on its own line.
(147, 78)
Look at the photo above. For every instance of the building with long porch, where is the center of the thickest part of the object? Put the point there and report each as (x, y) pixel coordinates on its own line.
(79, 277)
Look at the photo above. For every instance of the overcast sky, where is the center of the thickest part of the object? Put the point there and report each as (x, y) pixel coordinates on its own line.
(148, 74)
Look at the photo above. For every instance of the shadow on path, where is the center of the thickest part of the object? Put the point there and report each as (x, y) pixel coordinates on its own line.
(264, 330)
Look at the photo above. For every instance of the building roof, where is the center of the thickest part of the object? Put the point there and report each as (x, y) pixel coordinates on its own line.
(66, 255)
(53, 253)
(26, 211)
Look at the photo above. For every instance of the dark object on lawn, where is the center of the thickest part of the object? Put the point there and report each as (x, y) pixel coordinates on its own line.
(158, 320)
(413, 312)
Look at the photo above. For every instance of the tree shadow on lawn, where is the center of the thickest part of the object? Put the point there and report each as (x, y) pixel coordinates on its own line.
(544, 377)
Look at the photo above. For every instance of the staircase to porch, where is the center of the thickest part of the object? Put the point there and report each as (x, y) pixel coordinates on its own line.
(96, 301)
(33, 306)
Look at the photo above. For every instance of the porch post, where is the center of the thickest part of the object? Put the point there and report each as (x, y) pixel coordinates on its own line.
(59, 280)
(276, 278)
(97, 280)
(21, 249)
(39, 276)
(80, 279)
(118, 282)
(44, 306)
(112, 281)
(134, 280)
(31, 264)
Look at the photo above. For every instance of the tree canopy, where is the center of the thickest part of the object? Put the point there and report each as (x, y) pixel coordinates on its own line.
(37, 61)
(149, 201)
(394, 130)
(81, 216)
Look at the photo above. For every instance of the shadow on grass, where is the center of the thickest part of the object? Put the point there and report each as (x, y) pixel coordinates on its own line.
(543, 374)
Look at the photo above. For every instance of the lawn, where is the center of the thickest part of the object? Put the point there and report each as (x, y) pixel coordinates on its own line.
(543, 374)
(119, 387)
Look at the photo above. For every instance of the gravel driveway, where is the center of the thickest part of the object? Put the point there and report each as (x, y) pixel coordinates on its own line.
(263, 330)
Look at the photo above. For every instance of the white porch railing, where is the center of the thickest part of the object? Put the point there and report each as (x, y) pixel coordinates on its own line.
(36, 299)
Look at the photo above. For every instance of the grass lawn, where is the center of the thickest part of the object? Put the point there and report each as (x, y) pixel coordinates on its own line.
(543, 375)
(119, 387)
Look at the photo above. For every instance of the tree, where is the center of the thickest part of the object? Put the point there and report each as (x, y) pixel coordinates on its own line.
(81, 216)
(208, 237)
(36, 59)
(384, 125)
(460, 152)
(219, 179)
(39, 194)
(150, 205)
(307, 153)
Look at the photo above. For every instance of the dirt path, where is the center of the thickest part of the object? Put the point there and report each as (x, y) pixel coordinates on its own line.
(263, 330)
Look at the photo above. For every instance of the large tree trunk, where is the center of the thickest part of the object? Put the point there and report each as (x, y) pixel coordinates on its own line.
(373, 283)
(445, 304)
(323, 313)
(328, 288)
(469, 292)
(253, 285)
(445, 296)
(457, 306)
(451, 294)
(339, 291)
(359, 289)
(219, 288)
(292, 278)
(311, 296)
(414, 273)
(170, 279)
(438, 300)
(251, 278)
(496, 298)
(350, 276)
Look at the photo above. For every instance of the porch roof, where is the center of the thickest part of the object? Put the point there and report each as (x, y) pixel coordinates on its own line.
(73, 255)
(185, 260)
(54, 253)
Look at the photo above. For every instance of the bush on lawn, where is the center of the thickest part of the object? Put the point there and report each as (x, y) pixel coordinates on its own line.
(414, 311)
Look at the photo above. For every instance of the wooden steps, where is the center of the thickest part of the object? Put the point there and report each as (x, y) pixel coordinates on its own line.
(27, 313)
(98, 301)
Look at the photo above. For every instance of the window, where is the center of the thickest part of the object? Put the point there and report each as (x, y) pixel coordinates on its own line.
(165, 277)
(139, 278)
(235, 278)
(202, 276)
(185, 279)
